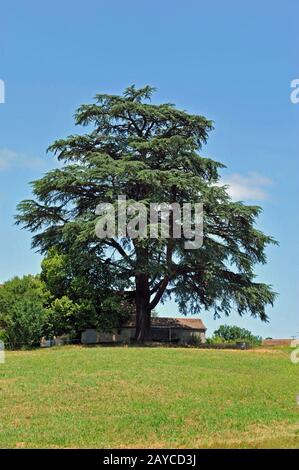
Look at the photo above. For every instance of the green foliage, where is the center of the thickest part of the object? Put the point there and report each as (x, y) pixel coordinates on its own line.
(216, 340)
(83, 293)
(114, 312)
(150, 153)
(195, 341)
(22, 311)
(70, 295)
(233, 334)
(55, 273)
(62, 316)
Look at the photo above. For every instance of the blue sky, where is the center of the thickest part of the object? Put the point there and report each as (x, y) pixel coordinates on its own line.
(231, 61)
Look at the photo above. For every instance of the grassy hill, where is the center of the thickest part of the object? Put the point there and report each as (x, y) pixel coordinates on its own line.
(148, 397)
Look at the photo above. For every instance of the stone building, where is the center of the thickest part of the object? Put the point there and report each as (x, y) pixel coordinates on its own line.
(163, 329)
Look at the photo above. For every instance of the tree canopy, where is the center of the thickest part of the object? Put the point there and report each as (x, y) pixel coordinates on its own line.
(63, 299)
(227, 333)
(22, 311)
(82, 294)
(150, 153)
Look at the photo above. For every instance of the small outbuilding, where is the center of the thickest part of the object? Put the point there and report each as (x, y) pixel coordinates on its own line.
(281, 342)
(163, 329)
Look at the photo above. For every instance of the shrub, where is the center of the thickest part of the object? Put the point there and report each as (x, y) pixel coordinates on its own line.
(195, 341)
(22, 311)
(234, 334)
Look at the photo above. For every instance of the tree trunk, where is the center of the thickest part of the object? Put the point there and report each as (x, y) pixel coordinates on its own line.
(143, 312)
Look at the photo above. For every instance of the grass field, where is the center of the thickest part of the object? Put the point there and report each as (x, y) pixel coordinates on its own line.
(148, 397)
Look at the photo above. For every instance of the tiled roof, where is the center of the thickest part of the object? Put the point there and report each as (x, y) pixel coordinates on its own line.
(277, 342)
(187, 323)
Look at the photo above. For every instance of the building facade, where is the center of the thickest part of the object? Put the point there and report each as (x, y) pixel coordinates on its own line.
(163, 329)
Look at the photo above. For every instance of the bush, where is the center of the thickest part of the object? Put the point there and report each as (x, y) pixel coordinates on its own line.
(22, 311)
(234, 334)
(215, 340)
(195, 341)
(61, 317)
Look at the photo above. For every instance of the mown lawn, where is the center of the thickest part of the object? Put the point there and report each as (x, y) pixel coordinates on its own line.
(148, 397)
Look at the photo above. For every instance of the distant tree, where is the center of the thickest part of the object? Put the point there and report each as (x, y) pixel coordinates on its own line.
(23, 315)
(234, 333)
(150, 153)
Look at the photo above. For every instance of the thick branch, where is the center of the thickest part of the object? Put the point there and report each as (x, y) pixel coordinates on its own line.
(120, 249)
(159, 293)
